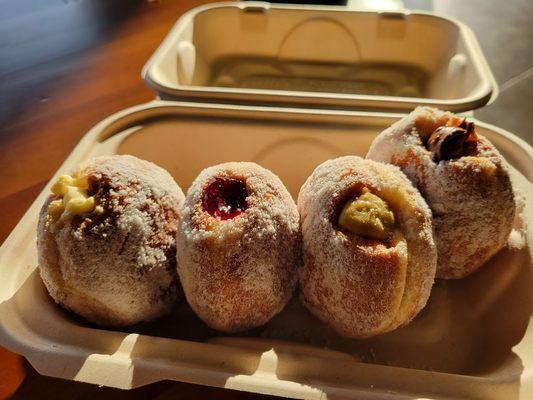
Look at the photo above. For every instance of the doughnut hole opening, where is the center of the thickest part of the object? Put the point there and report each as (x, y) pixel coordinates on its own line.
(225, 198)
(365, 215)
(446, 137)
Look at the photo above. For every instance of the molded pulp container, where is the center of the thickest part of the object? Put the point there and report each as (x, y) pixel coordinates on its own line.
(473, 340)
(254, 52)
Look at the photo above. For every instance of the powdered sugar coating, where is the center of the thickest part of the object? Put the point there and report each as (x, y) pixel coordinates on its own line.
(117, 268)
(471, 197)
(364, 287)
(239, 273)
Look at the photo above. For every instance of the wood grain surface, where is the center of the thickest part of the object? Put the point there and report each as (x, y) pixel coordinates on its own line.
(64, 66)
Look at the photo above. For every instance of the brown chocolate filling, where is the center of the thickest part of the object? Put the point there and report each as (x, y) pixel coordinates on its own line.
(451, 142)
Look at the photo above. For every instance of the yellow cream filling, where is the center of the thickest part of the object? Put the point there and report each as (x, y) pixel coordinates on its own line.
(75, 200)
(367, 215)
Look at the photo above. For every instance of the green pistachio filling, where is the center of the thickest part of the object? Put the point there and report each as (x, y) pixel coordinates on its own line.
(367, 215)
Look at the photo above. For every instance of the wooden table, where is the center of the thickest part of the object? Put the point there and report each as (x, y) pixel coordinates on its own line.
(64, 66)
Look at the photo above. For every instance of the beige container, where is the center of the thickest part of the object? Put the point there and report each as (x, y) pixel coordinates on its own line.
(473, 340)
(330, 57)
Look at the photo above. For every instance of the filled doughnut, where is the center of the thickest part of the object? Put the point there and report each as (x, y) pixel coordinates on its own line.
(464, 180)
(238, 246)
(369, 252)
(106, 241)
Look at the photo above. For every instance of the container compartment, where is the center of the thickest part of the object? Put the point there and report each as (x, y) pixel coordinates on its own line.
(473, 340)
(257, 52)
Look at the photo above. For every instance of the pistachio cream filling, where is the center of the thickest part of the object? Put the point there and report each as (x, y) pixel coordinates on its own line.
(367, 215)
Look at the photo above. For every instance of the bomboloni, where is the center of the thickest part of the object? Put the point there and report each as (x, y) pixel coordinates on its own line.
(464, 180)
(238, 246)
(106, 241)
(368, 246)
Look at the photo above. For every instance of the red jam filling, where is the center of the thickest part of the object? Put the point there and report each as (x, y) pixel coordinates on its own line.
(225, 198)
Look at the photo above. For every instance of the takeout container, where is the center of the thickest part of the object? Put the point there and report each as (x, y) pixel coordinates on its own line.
(473, 340)
(328, 57)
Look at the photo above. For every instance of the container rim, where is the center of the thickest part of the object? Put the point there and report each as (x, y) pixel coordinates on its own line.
(485, 94)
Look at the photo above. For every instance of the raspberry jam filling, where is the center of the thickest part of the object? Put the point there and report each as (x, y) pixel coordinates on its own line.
(225, 198)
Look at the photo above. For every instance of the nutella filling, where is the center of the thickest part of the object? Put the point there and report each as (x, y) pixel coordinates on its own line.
(452, 142)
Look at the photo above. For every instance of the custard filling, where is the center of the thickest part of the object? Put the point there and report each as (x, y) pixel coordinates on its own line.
(74, 197)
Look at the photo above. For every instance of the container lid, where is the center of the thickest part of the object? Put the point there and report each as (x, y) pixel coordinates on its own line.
(327, 57)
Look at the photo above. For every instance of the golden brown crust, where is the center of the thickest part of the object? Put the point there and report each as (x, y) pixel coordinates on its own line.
(117, 268)
(239, 273)
(471, 197)
(364, 287)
